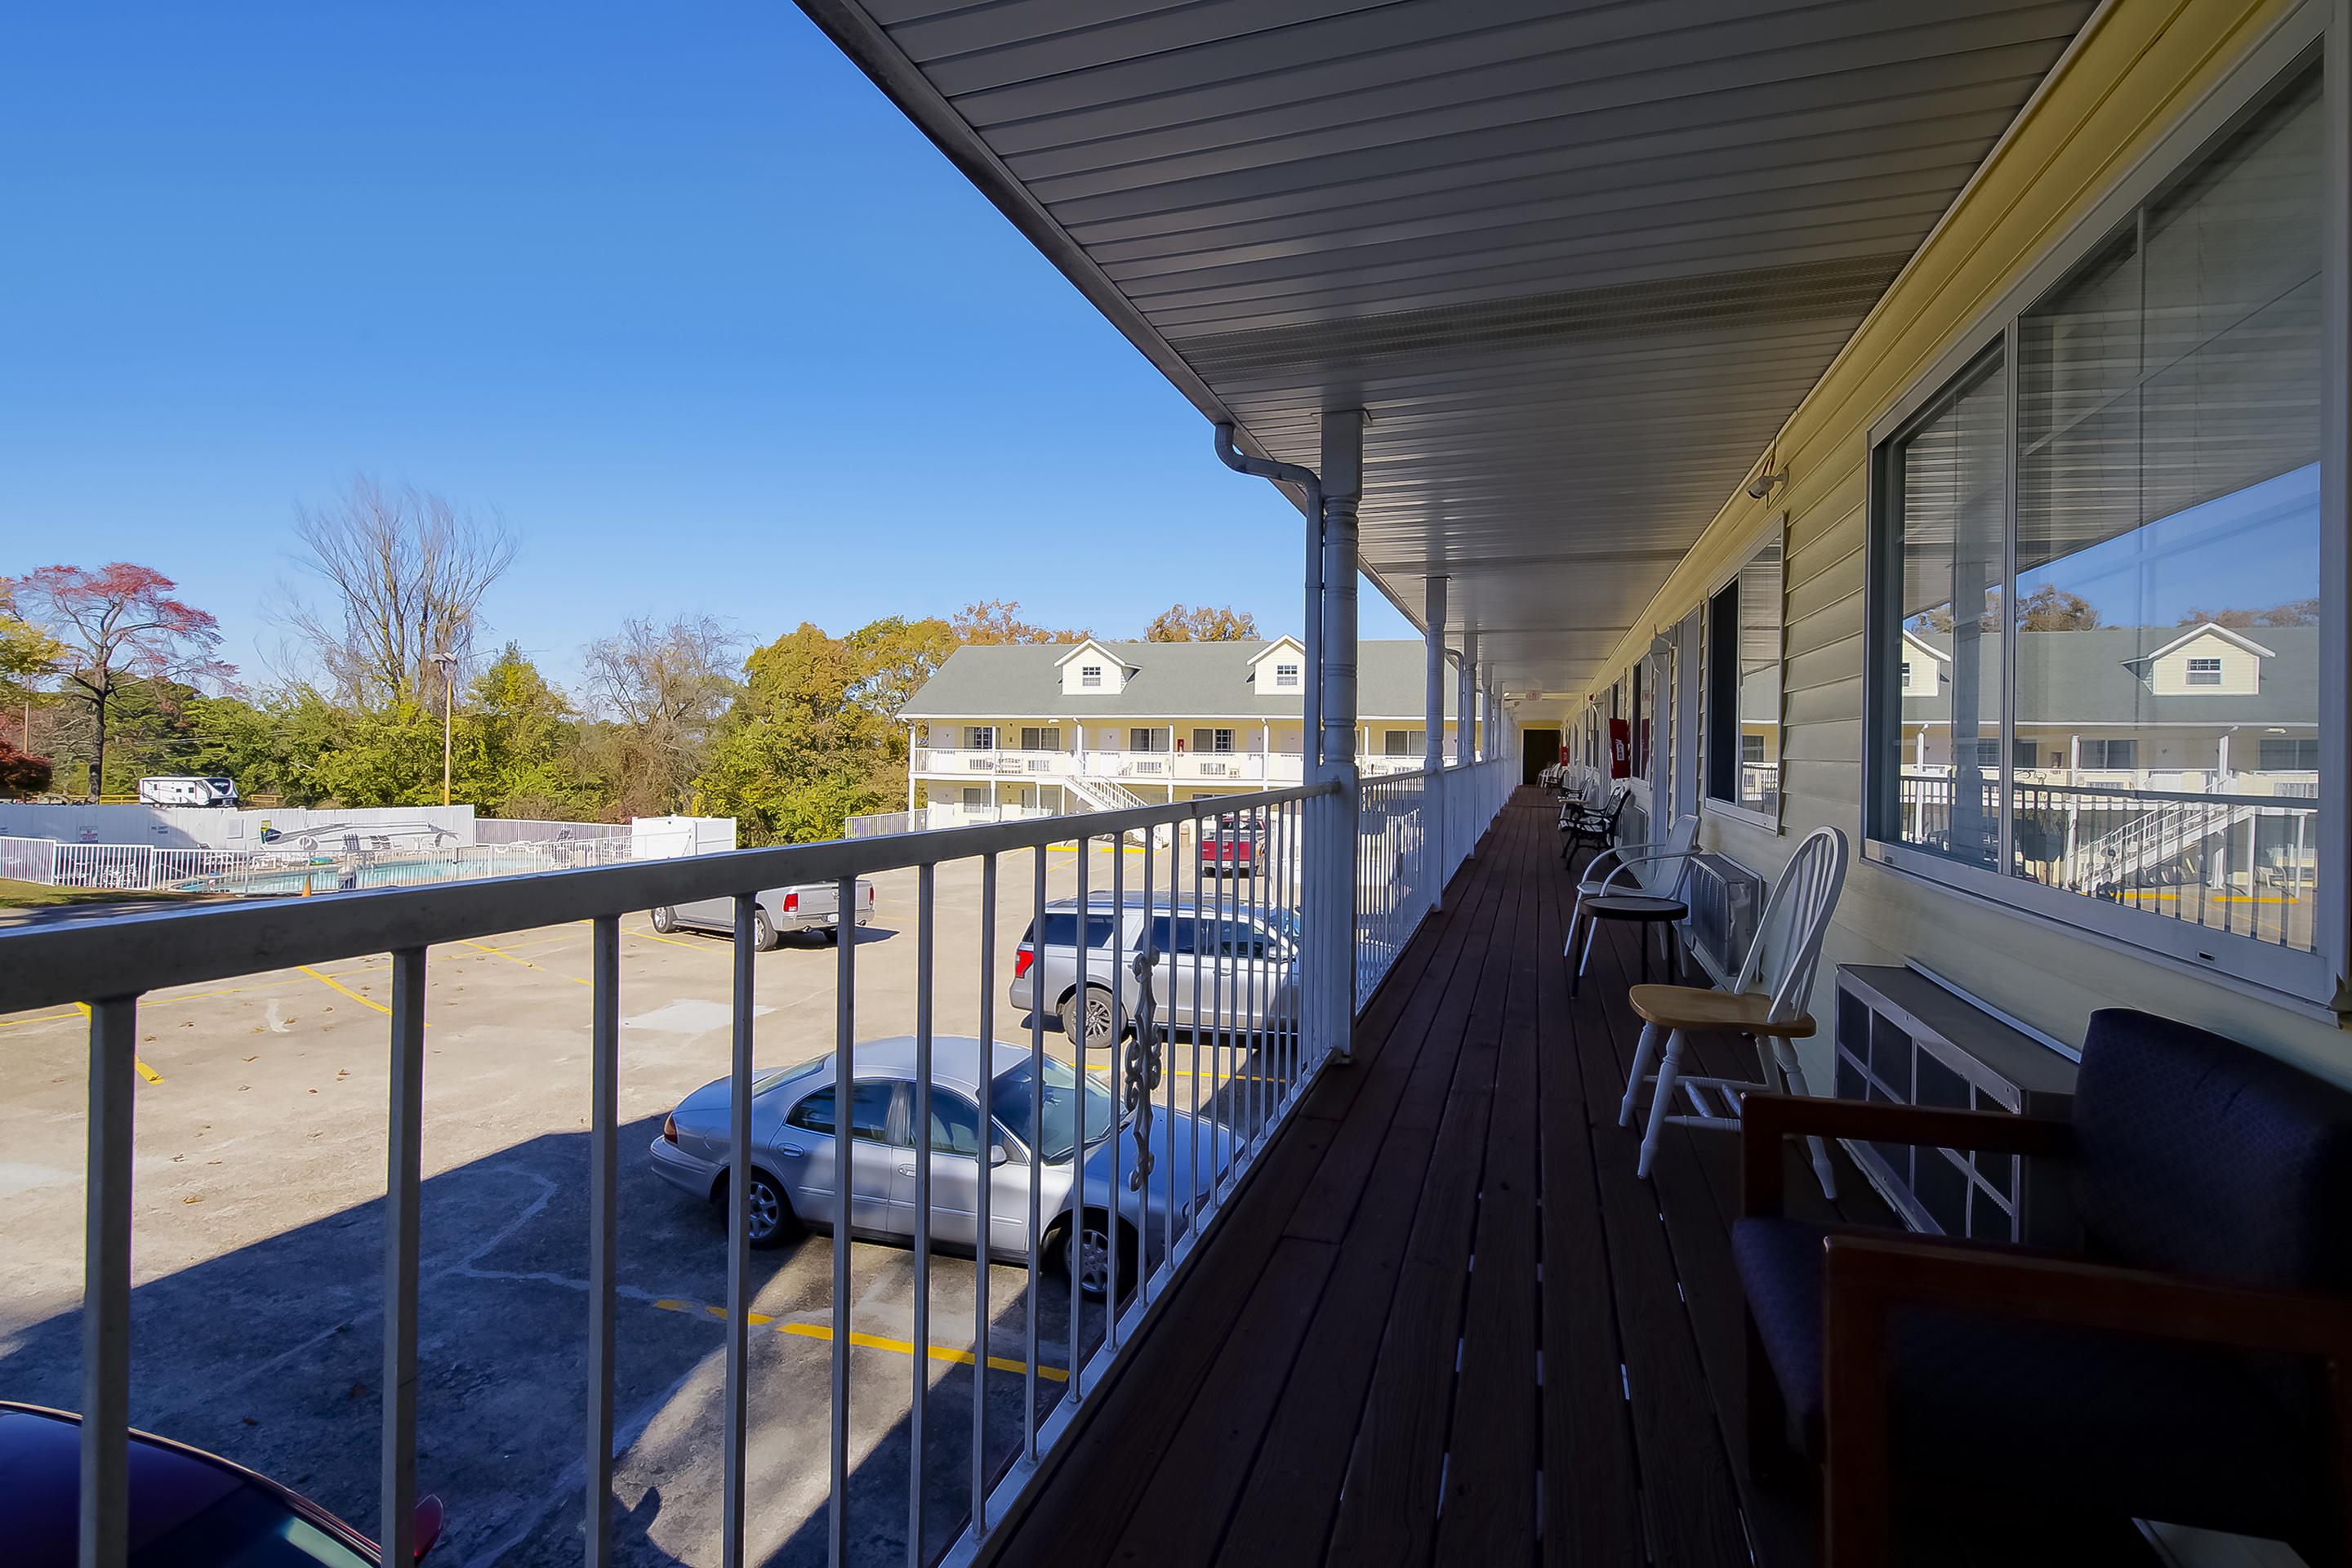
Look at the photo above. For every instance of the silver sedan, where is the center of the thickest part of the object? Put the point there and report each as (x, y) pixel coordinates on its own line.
(794, 1161)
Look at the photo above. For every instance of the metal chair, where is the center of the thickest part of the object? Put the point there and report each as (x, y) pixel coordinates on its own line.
(1593, 825)
(1614, 889)
(1769, 1008)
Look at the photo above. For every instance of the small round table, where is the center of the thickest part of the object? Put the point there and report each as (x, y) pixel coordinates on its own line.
(1642, 907)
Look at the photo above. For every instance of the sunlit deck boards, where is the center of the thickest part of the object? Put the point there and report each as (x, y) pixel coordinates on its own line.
(1352, 1376)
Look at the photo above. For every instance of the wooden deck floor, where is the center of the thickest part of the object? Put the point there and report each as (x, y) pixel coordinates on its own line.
(1445, 1322)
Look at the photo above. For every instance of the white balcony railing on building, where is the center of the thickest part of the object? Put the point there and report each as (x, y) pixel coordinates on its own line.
(1260, 1063)
(2240, 858)
(1242, 767)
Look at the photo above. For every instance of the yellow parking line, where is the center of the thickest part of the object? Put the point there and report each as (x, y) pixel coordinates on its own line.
(42, 1019)
(526, 964)
(652, 935)
(332, 984)
(867, 1341)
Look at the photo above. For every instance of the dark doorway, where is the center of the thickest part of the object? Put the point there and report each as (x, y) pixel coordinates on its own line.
(1540, 749)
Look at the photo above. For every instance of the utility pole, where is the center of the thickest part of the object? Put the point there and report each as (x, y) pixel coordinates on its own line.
(446, 663)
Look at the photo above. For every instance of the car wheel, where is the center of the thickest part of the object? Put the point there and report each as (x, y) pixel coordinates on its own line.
(768, 1219)
(763, 931)
(1086, 1256)
(665, 920)
(1097, 1020)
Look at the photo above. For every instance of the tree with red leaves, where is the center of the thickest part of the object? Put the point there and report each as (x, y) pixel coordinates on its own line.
(118, 625)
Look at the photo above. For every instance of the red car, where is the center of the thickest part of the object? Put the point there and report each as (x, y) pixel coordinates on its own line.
(1231, 847)
(188, 1509)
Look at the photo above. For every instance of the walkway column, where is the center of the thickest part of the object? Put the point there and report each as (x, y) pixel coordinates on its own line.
(1491, 712)
(1432, 752)
(1465, 706)
(1343, 486)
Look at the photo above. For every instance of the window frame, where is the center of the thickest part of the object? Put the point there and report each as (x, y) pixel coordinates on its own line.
(2209, 668)
(1286, 676)
(1090, 677)
(2314, 980)
(1774, 533)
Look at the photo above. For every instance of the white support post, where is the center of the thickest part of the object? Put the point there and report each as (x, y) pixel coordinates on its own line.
(1432, 756)
(2330, 936)
(1467, 699)
(1343, 484)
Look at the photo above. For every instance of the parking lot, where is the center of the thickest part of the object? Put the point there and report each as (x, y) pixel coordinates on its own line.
(258, 1244)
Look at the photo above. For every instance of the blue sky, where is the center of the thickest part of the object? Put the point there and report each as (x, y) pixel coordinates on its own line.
(672, 287)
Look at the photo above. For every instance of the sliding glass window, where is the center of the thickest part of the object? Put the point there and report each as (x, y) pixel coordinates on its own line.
(2098, 663)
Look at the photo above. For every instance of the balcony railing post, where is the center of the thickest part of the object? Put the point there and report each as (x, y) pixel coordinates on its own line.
(603, 1233)
(735, 1430)
(106, 1287)
(403, 1187)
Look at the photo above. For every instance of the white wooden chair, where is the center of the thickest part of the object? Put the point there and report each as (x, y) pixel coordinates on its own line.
(1616, 873)
(1769, 1008)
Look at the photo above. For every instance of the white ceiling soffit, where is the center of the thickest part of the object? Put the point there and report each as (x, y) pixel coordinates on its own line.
(1578, 261)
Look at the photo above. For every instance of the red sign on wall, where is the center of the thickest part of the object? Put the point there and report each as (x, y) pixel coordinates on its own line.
(1621, 748)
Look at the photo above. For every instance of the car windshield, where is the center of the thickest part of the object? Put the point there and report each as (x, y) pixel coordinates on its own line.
(1009, 1102)
(247, 1528)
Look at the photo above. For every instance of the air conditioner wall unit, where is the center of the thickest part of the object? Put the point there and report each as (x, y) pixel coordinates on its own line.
(1725, 901)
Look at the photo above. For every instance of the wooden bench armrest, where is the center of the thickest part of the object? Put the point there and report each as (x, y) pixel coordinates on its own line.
(1863, 1277)
(1765, 1120)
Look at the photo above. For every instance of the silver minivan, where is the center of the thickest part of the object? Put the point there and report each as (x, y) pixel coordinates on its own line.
(1224, 969)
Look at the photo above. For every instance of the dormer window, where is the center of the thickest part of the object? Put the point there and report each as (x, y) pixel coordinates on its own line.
(2204, 672)
(1091, 675)
(1285, 676)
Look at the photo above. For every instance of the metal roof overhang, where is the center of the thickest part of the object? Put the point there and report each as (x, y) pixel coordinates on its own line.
(1579, 262)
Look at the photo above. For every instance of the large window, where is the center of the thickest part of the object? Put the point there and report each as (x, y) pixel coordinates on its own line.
(2103, 538)
(1743, 686)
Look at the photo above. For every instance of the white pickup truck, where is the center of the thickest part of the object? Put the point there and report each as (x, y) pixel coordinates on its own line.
(810, 907)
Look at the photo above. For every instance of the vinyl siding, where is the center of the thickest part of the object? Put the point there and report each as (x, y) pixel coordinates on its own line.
(2134, 74)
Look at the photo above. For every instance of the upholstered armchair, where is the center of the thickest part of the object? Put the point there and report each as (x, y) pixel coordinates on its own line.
(2190, 1363)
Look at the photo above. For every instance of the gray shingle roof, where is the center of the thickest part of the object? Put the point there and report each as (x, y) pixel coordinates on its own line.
(2094, 678)
(1167, 681)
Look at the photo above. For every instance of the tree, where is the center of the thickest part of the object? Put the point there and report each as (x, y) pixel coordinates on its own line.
(516, 746)
(2293, 613)
(798, 752)
(277, 745)
(115, 625)
(21, 775)
(988, 621)
(405, 574)
(2048, 608)
(1203, 623)
(665, 687)
(2051, 608)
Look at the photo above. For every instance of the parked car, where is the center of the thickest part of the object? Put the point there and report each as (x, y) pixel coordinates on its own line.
(187, 789)
(1246, 982)
(188, 1509)
(1230, 849)
(794, 1160)
(810, 907)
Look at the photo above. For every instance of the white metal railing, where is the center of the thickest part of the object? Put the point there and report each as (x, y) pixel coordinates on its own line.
(1260, 1063)
(2241, 858)
(1260, 1059)
(1401, 865)
(1250, 766)
(144, 869)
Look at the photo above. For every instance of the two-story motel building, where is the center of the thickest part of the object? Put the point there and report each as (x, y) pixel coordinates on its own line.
(1104, 725)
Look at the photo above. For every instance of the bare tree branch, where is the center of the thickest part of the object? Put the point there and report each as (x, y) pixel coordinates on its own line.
(405, 574)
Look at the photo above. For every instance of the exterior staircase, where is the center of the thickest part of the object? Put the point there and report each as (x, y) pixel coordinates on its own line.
(1109, 795)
